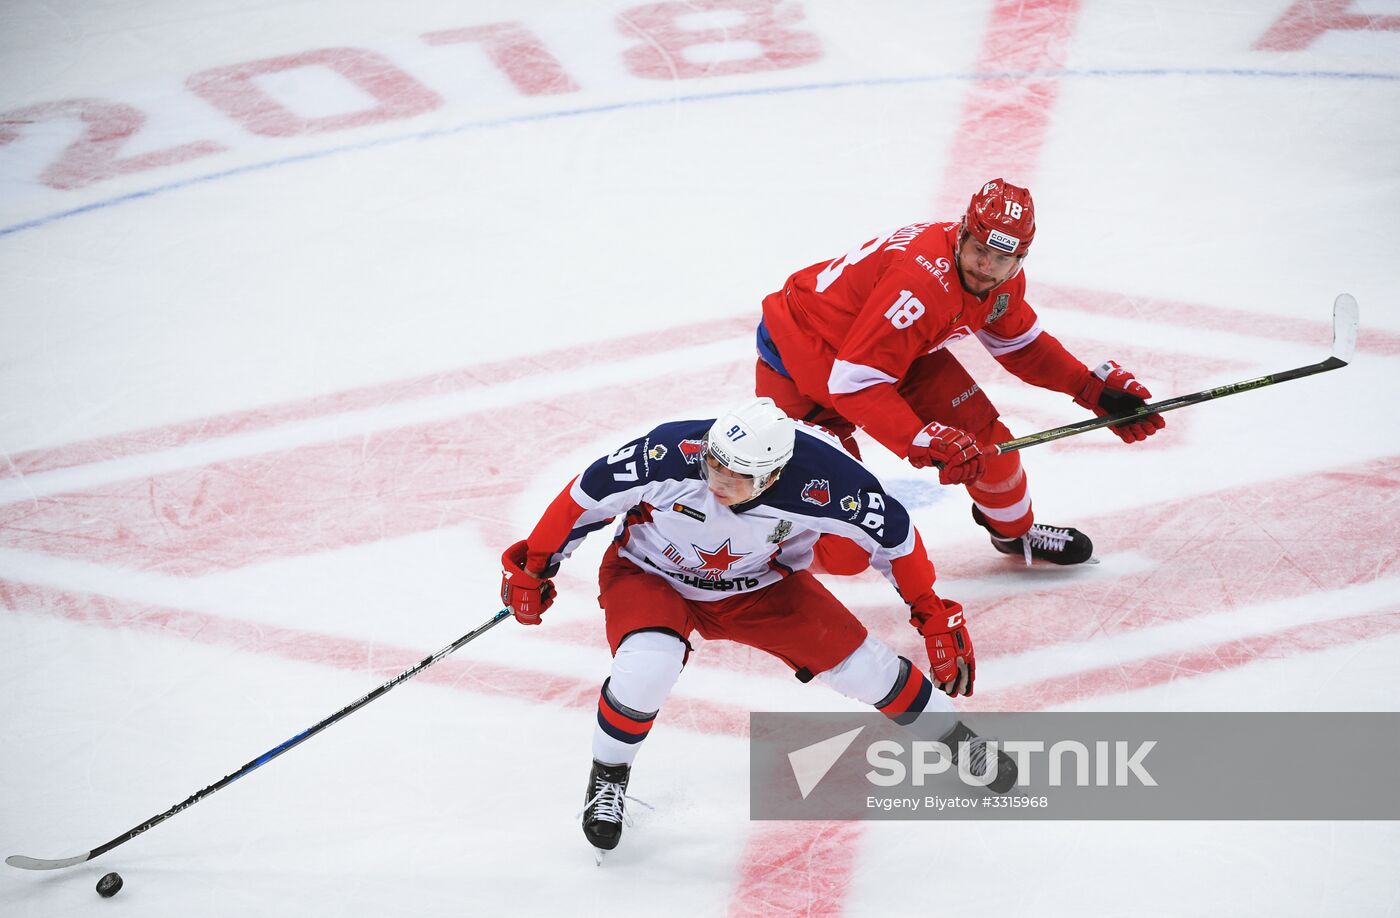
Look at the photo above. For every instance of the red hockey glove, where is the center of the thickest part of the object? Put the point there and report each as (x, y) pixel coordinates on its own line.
(1112, 390)
(957, 455)
(527, 595)
(950, 653)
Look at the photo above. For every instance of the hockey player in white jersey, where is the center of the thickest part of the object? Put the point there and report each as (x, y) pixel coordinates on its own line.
(718, 519)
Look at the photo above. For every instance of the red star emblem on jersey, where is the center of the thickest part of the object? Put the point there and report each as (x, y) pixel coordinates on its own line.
(718, 559)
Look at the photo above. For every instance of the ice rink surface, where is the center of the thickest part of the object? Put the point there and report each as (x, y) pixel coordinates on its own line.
(308, 309)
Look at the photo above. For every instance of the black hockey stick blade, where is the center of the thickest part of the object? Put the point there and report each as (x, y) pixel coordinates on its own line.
(38, 863)
(1346, 320)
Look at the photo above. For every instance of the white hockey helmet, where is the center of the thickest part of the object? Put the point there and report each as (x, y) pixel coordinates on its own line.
(754, 439)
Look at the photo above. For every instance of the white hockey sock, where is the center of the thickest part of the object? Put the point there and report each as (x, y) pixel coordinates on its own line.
(875, 675)
(644, 670)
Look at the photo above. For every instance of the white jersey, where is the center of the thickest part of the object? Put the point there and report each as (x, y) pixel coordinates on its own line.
(671, 524)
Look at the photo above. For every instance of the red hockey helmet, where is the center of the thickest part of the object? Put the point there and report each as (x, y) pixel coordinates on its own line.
(1001, 216)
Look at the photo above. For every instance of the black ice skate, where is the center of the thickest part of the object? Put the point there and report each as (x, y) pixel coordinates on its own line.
(1058, 545)
(977, 758)
(605, 805)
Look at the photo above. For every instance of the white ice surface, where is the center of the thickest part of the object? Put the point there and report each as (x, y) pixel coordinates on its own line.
(1179, 168)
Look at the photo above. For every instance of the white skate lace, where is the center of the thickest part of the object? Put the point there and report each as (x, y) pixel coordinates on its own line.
(608, 804)
(977, 754)
(978, 750)
(611, 804)
(1046, 538)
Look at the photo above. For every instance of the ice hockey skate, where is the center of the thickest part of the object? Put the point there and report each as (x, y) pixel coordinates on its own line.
(976, 745)
(604, 807)
(1056, 544)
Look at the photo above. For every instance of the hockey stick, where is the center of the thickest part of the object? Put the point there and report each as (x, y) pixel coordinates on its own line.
(38, 863)
(1345, 321)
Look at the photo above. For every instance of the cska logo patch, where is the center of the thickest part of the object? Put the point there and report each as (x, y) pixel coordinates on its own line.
(817, 491)
(691, 450)
(999, 307)
(657, 453)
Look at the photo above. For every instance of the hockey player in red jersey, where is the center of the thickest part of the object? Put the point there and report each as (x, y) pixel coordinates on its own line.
(860, 342)
(718, 520)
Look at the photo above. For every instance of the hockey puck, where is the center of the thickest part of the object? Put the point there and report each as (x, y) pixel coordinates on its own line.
(110, 885)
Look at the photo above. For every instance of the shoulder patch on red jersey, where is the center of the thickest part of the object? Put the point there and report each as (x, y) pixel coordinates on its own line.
(999, 307)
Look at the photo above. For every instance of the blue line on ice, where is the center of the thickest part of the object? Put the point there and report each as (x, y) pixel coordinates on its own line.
(677, 100)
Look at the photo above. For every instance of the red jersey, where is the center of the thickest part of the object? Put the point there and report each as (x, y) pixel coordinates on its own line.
(865, 317)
